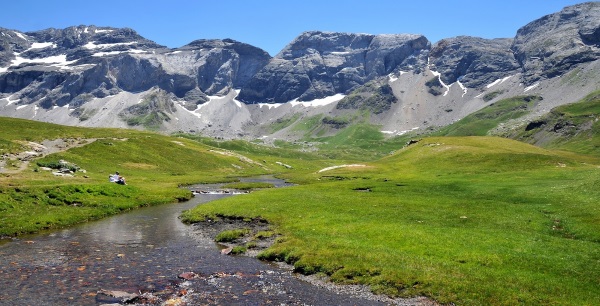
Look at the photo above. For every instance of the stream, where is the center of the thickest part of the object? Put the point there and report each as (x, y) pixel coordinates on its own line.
(151, 253)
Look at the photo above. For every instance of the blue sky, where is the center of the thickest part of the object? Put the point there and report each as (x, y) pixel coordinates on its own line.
(271, 25)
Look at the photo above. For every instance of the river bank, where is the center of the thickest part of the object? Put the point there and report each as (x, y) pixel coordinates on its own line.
(147, 257)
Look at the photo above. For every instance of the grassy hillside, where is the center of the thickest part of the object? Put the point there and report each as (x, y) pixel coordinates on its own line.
(473, 221)
(481, 122)
(154, 166)
(572, 127)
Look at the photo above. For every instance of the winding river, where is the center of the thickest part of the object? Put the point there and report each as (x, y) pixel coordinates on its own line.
(145, 252)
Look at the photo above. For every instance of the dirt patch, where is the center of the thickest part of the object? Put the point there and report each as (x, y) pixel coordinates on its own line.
(17, 162)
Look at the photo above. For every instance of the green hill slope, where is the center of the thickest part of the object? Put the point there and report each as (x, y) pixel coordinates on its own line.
(472, 221)
(481, 122)
(154, 165)
(572, 127)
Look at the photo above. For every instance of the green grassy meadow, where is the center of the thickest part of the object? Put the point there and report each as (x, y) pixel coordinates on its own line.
(154, 166)
(468, 220)
(465, 220)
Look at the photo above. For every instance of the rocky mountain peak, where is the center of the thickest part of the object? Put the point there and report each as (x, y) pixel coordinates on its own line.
(90, 36)
(549, 46)
(86, 74)
(473, 61)
(328, 63)
(11, 42)
(324, 42)
(227, 44)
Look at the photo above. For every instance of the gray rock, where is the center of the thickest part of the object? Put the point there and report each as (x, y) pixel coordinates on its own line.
(99, 62)
(228, 63)
(101, 72)
(553, 44)
(10, 42)
(473, 61)
(319, 64)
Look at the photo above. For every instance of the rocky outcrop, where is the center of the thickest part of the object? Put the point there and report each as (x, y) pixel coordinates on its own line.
(473, 61)
(150, 113)
(321, 64)
(71, 66)
(553, 44)
(225, 64)
(374, 97)
(11, 42)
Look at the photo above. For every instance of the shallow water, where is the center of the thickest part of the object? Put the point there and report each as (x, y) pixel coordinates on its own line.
(144, 251)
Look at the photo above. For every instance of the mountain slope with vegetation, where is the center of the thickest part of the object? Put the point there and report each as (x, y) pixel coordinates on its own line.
(572, 127)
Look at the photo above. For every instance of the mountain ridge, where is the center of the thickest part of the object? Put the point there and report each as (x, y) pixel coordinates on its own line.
(224, 88)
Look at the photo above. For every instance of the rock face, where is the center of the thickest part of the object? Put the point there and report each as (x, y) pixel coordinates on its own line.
(473, 61)
(551, 45)
(102, 76)
(72, 66)
(321, 64)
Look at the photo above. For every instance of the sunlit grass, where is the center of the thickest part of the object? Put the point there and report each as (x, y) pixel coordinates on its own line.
(154, 167)
(466, 220)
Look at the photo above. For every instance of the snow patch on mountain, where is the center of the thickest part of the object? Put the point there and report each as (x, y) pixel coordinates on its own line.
(42, 45)
(194, 112)
(11, 101)
(463, 87)
(498, 81)
(237, 102)
(92, 45)
(528, 88)
(318, 102)
(60, 60)
(400, 133)
(270, 105)
(20, 35)
(109, 53)
(439, 75)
